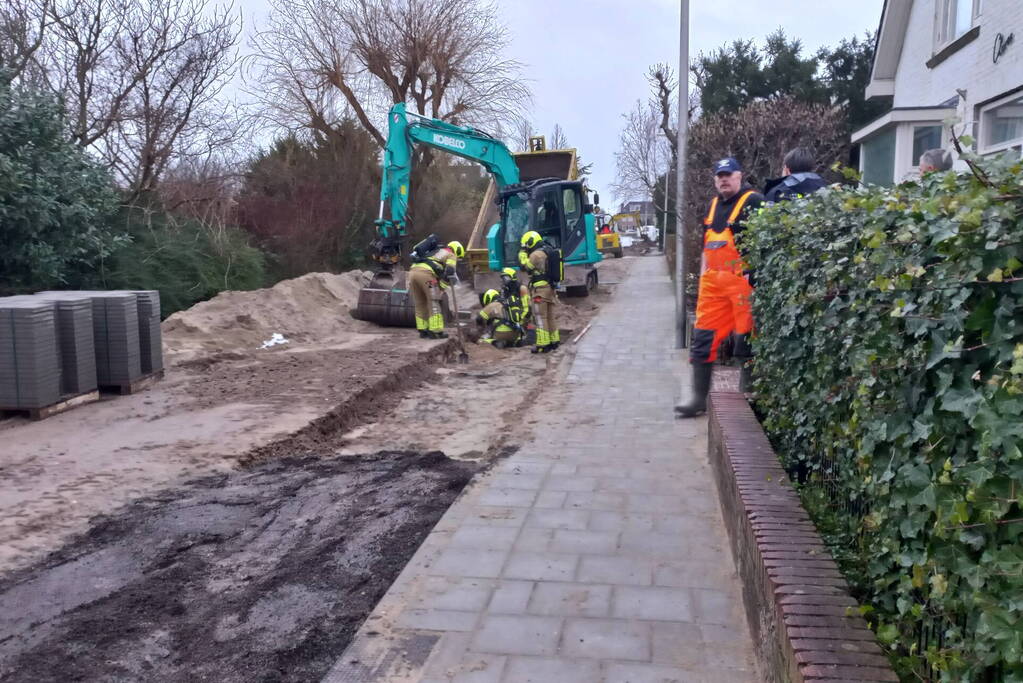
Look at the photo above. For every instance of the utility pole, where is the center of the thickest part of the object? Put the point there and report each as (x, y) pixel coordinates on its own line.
(681, 315)
(664, 214)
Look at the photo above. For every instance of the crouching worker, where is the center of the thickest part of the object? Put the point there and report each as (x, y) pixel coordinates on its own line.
(542, 263)
(515, 296)
(432, 272)
(503, 330)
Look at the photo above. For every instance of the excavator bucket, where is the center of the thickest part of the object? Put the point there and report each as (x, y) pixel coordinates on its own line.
(387, 301)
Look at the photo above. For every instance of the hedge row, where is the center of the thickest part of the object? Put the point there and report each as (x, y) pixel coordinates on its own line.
(890, 378)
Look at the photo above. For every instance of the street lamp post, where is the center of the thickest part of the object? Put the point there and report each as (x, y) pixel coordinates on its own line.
(681, 314)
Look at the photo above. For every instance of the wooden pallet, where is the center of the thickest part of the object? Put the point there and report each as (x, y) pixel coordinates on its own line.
(65, 404)
(141, 384)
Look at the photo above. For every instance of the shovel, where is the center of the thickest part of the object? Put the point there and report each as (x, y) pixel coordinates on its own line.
(463, 357)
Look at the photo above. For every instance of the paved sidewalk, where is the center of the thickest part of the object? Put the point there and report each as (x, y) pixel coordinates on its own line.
(596, 553)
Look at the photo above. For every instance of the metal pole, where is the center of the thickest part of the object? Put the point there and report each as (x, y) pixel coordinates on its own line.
(664, 214)
(681, 322)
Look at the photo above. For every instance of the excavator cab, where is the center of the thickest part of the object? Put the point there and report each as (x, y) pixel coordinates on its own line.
(555, 208)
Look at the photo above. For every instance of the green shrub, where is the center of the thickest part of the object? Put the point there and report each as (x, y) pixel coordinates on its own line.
(55, 202)
(184, 259)
(890, 377)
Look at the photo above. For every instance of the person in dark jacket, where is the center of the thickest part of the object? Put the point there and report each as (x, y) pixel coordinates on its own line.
(798, 180)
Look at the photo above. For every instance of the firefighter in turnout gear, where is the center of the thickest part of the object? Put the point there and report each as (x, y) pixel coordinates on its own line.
(723, 305)
(515, 296)
(495, 315)
(534, 261)
(428, 279)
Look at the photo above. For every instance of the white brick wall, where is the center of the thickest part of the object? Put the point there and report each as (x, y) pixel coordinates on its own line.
(971, 68)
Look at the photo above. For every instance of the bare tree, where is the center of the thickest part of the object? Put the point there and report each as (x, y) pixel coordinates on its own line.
(174, 112)
(643, 154)
(443, 57)
(23, 25)
(523, 131)
(558, 138)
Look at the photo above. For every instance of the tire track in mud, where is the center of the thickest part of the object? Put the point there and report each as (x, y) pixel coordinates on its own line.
(258, 575)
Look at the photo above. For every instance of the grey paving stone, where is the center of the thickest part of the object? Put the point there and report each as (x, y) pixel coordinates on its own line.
(588, 542)
(570, 599)
(615, 570)
(454, 593)
(679, 645)
(570, 482)
(508, 497)
(652, 603)
(615, 672)
(484, 537)
(437, 620)
(558, 519)
(469, 562)
(541, 566)
(604, 520)
(682, 574)
(550, 670)
(715, 607)
(550, 500)
(509, 480)
(511, 597)
(489, 515)
(652, 544)
(532, 540)
(595, 501)
(517, 635)
(522, 466)
(607, 639)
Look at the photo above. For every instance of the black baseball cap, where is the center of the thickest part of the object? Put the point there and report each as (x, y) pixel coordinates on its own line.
(728, 165)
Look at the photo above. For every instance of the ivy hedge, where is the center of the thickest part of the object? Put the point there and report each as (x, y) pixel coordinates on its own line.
(889, 375)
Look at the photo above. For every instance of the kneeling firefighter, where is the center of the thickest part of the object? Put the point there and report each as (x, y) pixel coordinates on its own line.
(515, 296)
(542, 262)
(432, 272)
(504, 330)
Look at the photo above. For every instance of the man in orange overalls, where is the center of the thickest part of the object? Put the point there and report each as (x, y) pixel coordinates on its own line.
(723, 303)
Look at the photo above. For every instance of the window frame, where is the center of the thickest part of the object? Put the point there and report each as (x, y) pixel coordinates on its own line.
(982, 119)
(946, 12)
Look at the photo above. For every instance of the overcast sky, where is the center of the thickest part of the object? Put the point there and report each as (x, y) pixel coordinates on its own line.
(586, 60)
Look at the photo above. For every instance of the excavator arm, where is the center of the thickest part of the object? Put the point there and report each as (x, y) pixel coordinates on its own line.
(404, 131)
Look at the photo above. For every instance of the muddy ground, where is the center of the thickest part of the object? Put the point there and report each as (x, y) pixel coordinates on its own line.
(261, 569)
(259, 575)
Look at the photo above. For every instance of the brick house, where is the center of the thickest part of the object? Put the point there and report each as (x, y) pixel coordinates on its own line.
(937, 60)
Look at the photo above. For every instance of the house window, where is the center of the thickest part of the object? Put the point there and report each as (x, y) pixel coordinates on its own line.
(925, 138)
(953, 19)
(1002, 125)
(879, 159)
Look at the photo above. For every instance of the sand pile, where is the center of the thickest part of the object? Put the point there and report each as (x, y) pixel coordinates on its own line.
(313, 308)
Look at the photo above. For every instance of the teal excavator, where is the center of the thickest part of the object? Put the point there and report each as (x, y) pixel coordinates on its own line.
(555, 208)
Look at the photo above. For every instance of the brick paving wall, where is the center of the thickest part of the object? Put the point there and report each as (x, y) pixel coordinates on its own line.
(804, 623)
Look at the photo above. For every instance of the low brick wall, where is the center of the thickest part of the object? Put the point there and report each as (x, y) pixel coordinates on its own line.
(804, 622)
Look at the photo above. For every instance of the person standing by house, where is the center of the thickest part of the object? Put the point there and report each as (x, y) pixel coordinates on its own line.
(935, 161)
(723, 304)
(798, 177)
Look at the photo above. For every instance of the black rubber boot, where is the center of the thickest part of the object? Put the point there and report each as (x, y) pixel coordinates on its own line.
(554, 346)
(438, 335)
(697, 405)
(424, 334)
(746, 376)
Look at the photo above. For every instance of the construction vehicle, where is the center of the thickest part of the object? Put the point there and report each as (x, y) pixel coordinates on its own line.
(554, 207)
(608, 239)
(489, 237)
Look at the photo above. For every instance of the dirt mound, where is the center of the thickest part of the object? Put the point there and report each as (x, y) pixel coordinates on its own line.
(311, 308)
